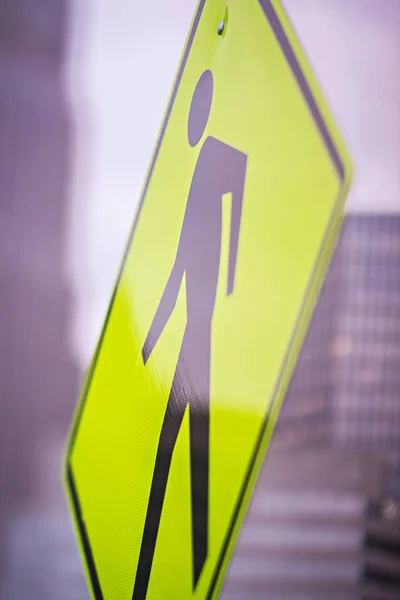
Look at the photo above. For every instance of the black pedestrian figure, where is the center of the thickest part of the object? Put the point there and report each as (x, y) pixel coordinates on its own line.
(220, 169)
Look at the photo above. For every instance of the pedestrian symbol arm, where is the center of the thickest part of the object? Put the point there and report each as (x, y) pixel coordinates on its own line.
(239, 174)
(164, 310)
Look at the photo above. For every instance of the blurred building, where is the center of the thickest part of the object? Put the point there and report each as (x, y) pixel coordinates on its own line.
(325, 517)
(38, 383)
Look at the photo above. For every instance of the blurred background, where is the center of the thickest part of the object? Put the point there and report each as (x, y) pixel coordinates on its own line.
(83, 87)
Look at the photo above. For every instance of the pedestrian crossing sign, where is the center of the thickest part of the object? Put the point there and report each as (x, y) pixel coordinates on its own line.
(235, 227)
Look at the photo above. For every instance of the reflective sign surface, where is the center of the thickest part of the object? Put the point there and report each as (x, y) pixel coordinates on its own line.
(235, 226)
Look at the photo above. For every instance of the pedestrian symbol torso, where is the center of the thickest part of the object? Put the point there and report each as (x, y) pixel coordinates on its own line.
(234, 229)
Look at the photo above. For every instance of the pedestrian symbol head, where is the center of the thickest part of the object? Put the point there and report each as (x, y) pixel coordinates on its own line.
(200, 107)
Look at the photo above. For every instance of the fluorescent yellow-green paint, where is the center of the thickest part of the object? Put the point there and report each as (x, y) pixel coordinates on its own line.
(291, 214)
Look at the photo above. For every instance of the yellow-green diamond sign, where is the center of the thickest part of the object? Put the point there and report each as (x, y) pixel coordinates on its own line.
(235, 227)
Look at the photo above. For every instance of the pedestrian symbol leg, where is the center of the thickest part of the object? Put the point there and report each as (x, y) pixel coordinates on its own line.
(169, 433)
